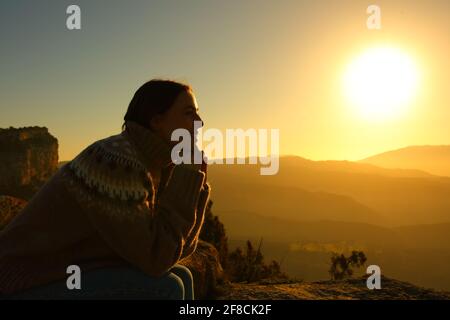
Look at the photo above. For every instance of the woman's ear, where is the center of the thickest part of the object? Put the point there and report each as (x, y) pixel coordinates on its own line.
(158, 124)
(155, 123)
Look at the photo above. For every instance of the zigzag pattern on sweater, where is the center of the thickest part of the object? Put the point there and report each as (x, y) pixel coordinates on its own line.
(110, 167)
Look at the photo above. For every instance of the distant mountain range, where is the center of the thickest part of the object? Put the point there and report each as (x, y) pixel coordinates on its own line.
(308, 190)
(432, 159)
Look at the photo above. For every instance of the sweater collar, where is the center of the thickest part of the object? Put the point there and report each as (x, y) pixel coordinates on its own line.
(152, 150)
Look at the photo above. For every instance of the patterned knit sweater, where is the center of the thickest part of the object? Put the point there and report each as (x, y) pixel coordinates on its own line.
(102, 209)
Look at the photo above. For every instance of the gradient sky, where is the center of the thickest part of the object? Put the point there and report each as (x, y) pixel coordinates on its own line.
(252, 64)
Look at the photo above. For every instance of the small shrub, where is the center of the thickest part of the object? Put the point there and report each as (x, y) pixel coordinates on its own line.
(213, 231)
(250, 266)
(341, 266)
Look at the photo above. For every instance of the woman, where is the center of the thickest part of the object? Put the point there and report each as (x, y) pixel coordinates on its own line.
(121, 211)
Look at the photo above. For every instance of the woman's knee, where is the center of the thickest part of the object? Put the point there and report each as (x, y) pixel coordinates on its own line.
(175, 287)
(183, 272)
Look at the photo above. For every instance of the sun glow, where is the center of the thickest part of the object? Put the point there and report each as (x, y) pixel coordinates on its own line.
(381, 83)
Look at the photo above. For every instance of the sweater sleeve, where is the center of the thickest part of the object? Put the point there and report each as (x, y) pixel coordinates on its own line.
(152, 239)
(193, 237)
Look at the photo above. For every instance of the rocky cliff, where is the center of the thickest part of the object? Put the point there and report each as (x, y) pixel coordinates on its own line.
(9, 208)
(206, 270)
(349, 289)
(28, 157)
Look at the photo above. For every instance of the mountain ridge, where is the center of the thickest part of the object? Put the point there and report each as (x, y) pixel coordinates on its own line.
(434, 159)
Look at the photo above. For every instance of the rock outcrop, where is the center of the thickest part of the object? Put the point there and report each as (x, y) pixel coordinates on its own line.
(9, 208)
(206, 270)
(28, 157)
(349, 289)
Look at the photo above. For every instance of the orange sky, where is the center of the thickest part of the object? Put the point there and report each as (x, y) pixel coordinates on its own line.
(255, 64)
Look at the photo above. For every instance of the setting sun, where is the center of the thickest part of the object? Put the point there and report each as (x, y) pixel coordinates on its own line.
(381, 83)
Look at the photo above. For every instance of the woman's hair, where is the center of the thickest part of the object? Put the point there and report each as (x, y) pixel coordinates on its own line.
(153, 97)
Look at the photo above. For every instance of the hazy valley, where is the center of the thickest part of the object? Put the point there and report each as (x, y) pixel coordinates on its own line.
(399, 217)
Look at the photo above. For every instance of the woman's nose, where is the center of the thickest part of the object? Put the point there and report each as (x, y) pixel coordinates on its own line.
(197, 118)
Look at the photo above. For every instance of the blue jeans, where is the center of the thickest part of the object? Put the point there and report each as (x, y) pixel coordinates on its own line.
(120, 283)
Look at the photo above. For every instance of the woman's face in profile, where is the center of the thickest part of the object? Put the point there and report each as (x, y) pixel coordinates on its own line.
(181, 114)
